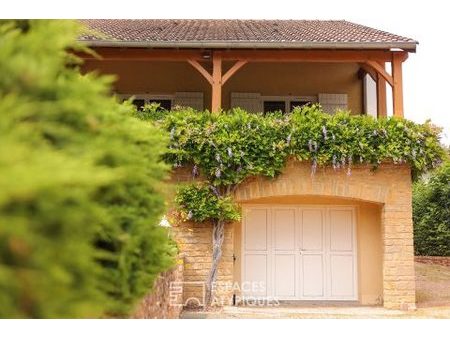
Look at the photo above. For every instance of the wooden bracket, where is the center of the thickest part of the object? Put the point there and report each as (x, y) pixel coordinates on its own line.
(203, 71)
(381, 71)
(238, 65)
(369, 70)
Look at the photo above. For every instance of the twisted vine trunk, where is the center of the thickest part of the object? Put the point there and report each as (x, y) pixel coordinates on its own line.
(217, 241)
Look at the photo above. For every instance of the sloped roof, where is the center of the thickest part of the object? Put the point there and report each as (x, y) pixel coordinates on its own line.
(192, 33)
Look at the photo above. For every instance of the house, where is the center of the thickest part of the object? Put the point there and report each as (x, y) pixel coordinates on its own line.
(329, 238)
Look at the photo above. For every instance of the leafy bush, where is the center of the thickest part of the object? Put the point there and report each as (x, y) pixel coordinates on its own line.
(431, 213)
(80, 196)
(229, 147)
(200, 203)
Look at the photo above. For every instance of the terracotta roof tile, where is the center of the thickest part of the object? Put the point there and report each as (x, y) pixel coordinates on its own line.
(238, 33)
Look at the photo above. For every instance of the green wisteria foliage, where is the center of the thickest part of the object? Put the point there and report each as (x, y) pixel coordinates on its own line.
(229, 147)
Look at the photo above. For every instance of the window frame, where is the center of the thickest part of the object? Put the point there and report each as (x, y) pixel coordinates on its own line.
(288, 99)
(147, 97)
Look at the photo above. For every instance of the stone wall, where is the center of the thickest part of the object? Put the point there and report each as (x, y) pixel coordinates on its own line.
(194, 241)
(389, 186)
(164, 301)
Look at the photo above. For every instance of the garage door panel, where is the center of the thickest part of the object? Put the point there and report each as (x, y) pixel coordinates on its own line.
(312, 230)
(341, 230)
(313, 275)
(255, 277)
(256, 229)
(284, 229)
(342, 283)
(285, 273)
(299, 252)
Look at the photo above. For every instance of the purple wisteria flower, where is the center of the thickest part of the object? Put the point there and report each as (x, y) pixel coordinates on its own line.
(314, 167)
(288, 139)
(312, 145)
(195, 171)
(335, 164)
(324, 132)
(214, 190)
(218, 173)
(230, 152)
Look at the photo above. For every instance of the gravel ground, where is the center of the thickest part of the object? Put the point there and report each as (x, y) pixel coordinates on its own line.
(433, 301)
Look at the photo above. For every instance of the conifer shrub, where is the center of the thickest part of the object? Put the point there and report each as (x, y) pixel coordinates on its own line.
(80, 183)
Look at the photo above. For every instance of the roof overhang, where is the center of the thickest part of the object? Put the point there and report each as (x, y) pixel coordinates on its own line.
(406, 46)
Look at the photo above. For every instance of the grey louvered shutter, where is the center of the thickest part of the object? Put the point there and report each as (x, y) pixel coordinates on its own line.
(250, 102)
(332, 102)
(189, 99)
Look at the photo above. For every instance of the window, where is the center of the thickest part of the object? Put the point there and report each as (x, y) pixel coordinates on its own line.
(370, 96)
(163, 104)
(273, 106)
(139, 103)
(140, 100)
(285, 103)
(294, 104)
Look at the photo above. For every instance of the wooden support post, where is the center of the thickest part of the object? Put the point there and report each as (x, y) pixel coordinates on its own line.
(216, 103)
(397, 86)
(381, 95)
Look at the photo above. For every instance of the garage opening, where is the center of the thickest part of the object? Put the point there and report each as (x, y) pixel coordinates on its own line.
(299, 252)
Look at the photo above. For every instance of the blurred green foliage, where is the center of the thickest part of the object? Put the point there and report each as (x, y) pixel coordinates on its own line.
(80, 184)
(431, 212)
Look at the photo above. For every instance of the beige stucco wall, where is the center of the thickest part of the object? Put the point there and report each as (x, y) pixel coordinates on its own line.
(284, 79)
(296, 79)
(369, 245)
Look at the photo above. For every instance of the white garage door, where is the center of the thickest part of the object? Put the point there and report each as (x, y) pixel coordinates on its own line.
(299, 252)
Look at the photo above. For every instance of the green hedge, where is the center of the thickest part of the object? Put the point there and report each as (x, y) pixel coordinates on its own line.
(80, 191)
(431, 212)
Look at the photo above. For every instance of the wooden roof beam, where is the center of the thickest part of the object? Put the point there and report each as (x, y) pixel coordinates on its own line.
(273, 55)
(305, 55)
